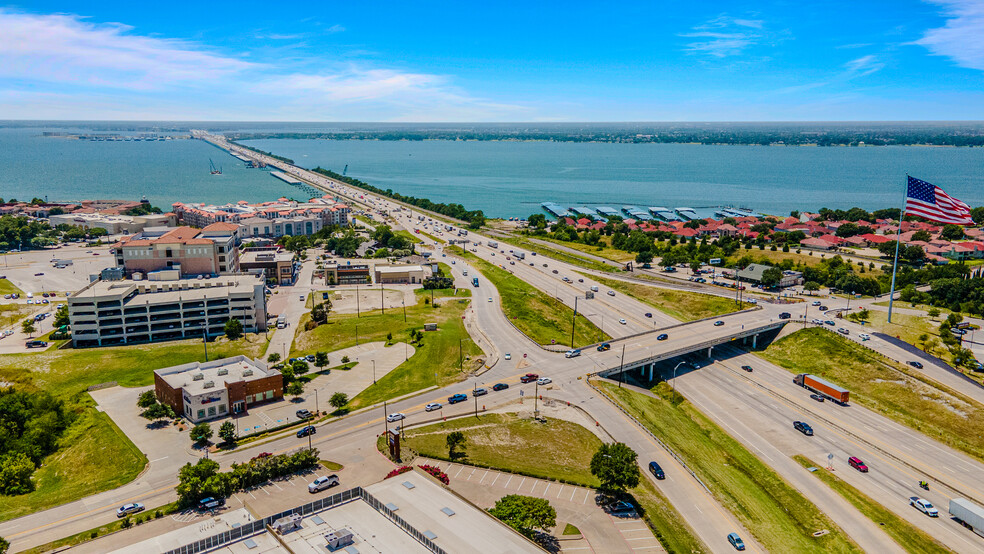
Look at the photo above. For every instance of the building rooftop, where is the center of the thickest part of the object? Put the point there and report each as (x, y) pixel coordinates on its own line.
(265, 256)
(398, 268)
(214, 374)
(173, 290)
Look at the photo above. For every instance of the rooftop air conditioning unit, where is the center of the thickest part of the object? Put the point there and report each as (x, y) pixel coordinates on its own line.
(247, 372)
(208, 384)
(223, 371)
(198, 377)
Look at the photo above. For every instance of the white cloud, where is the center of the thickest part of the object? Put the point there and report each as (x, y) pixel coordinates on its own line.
(962, 37)
(865, 65)
(726, 36)
(335, 29)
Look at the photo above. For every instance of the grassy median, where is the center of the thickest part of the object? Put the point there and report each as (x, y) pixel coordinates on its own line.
(558, 450)
(885, 387)
(537, 315)
(678, 304)
(435, 362)
(778, 515)
(909, 537)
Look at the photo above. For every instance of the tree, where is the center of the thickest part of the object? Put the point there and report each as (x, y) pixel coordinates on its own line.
(338, 400)
(319, 313)
(195, 481)
(146, 399)
(295, 388)
(156, 412)
(233, 329)
(300, 367)
(228, 432)
(4, 544)
(273, 358)
(933, 313)
(644, 257)
(28, 327)
(320, 359)
(15, 473)
(525, 514)
(811, 286)
(615, 466)
(455, 440)
(61, 316)
(771, 277)
(922, 235)
(201, 433)
(345, 359)
(952, 232)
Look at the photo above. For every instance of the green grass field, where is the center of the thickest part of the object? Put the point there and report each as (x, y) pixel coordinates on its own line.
(556, 450)
(885, 387)
(778, 515)
(678, 304)
(603, 250)
(438, 353)
(79, 468)
(69, 371)
(412, 237)
(909, 537)
(573, 259)
(6, 287)
(537, 315)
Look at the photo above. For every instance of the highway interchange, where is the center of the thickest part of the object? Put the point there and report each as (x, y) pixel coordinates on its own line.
(756, 408)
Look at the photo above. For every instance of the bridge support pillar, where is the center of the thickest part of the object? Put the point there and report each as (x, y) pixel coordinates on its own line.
(755, 341)
(642, 370)
(652, 366)
(709, 350)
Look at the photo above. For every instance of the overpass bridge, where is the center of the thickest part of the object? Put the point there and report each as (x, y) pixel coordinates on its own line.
(644, 352)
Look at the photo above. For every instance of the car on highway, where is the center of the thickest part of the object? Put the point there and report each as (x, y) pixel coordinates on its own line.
(747, 368)
(915, 364)
(830, 322)
(572, 353)
(309, 430)
(128, 509)
(544, 265)
(544, 381)
(301, 298)
(785, 315)
(803, 428)
(924, 506)
(656, 471)
(529, 378)
(718, 323)
(815, 303)
(622, 321)
(604, 347)
(580, 280)
(490, 299)
(663, 336)
(303, 414)
(736, 541)
(864, 336)
(648, 314)
(817, 397)
(817, 321)
(500, 386)
(823, 308)
(395, 416)
(555, 271)
(432, 406)
(857, 464)
(843, 331)
(454, 399)
(611, 293)
(508, 356)
(480, 392)
(322, 483)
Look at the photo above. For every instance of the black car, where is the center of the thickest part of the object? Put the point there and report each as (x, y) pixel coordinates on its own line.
(785, 315)
(648, 314)
(604, 346)
(747, 368)
(803, 428)
(916, 365)
(822, 308)
(656, 470)
(664, 336)
(816, 397)
(309, 430)
(303, 414)
(500, 386)
(210, 503)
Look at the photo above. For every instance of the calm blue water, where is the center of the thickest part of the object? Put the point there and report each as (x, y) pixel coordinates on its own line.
(512, 178)
(32, 165)
(502, 178)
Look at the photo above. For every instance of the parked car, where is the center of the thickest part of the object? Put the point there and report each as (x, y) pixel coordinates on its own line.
(396, 416)
(605, 346)
(747, 368)
(656, 471)
(718, 323)
(664, 336)
(924, 506)
(736, 541)
(544, 381)
(210, 503)
(803, 428)
(857, 464)
(529, 378)
(620, 507)
(500, 386)
(454, 399)
(128, 509)
(915, 364)
(309, 430)
(432, 406)
(303, 414)
(322, 483)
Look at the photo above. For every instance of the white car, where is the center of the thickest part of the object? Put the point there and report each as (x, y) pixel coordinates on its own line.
(864, 336)
(544, 381)
(611, 293)
(395, 417)
(815, 303)
(432, 406)
(508, 356)
(924, 506)
(322, 483)
(622, 321)
(128, 509)
(490, 299)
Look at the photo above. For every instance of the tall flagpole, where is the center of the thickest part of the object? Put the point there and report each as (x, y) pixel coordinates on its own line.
(898, 235)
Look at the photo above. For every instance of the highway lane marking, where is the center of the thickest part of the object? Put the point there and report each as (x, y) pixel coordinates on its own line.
(698, 509)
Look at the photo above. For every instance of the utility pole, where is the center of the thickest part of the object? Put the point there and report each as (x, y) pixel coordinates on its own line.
(382, 300)
(357, 334)
(536, 397)
(357, 300)
(621, 364)
(374, 371)
(316, 403)
(404, 311)
(573, 322)
(386, 420)
(460, 361)
(205, 338)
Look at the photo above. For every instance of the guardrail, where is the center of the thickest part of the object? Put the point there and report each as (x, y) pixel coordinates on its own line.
(650, 433)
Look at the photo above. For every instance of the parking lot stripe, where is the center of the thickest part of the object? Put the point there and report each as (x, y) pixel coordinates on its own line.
(506, 486)
(571, 499)
(486, 474)
(560, 491)
(459, 471)
(497, 475)
(546, 489)
(521, 484)
(586, 493)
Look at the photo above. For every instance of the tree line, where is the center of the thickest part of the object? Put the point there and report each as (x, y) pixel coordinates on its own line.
(31, 423)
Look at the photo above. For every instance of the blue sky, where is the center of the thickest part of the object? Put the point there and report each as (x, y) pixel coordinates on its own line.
(522, 61)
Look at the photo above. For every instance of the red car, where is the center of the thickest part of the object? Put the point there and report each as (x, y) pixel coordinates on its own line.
(529, 378)
(857, 464)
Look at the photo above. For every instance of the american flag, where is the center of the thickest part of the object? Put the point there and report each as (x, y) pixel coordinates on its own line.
(929, 201)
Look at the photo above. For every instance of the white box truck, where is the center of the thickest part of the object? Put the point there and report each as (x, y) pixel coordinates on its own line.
(519, 255)
(969, 514)
(493, 244)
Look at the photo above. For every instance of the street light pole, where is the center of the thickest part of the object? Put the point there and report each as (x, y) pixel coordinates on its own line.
(373, 371)
(573, 322)
(205, 338)
(674, 374)
(404, 311)
(536, 397)
(621, 364)
(357, 300)
(382, 300)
